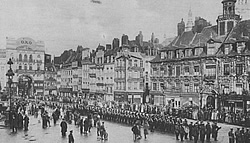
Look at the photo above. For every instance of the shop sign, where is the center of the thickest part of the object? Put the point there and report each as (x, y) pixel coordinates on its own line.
(26, 41)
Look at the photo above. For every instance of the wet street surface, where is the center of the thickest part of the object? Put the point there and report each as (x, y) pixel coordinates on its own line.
(118, 133)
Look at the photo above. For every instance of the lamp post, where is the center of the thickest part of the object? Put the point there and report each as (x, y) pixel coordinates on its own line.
(10, 75)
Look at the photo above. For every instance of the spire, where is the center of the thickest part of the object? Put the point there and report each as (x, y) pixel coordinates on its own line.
(190, 21)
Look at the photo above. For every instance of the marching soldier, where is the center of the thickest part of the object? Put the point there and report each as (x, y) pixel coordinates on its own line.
(208, 131)
(231, 136)
(215, 129)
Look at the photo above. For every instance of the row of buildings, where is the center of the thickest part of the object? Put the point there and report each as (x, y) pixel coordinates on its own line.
(203, 65)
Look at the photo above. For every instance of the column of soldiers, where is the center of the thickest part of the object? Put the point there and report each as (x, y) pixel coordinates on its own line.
(163, 123)
(239, 136)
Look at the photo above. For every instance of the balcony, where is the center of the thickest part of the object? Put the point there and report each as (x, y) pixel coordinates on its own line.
(225, 17)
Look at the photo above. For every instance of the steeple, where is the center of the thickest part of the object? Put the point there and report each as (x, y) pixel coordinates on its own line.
(190, 21)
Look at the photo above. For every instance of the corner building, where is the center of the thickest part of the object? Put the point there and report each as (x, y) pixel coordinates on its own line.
(28, 64)
(207, 68)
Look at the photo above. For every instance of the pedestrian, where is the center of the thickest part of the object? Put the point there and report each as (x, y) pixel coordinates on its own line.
(231, 136)
(195, 132)
(182, 131)
(81, 125)
(102, 131)
(237, 135)
(98, 126)
(26, 122)
(71, 137)
(202, 132)
(63, 127)
(190, 126)
(215, 129)
(146, 127)
(208, 131)
(177, 131)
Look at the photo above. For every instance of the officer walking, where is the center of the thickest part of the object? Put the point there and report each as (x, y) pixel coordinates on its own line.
(231, 136)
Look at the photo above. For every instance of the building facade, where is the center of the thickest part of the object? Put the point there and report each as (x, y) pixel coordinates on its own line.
(3, 69)
(207, 68)
(28, 58)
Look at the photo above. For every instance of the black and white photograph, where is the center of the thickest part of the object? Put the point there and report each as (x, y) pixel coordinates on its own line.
(124, 71)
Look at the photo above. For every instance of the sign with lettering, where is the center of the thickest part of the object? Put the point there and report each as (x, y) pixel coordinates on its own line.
(26, 42)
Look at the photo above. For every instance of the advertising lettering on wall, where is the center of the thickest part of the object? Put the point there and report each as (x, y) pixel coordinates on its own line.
(26, 42)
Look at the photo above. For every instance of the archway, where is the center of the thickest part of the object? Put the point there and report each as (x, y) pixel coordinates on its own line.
(210, 101)
(25, 85)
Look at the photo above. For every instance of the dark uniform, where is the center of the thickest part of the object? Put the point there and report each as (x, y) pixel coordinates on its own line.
(231, 136)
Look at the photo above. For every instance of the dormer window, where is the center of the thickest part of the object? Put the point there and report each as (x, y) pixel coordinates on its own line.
(211, 49)
(177, 54)
(240, 47)
(162, 55)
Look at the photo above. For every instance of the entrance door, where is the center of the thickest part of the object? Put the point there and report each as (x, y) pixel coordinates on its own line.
(210, 101)
(24, 85)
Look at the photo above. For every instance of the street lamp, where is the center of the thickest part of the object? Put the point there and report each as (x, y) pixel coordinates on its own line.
(10, 75)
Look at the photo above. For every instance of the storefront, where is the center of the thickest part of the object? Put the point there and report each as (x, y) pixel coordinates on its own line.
(65, 91)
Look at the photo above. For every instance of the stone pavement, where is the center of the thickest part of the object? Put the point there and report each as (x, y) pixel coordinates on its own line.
(117, 134)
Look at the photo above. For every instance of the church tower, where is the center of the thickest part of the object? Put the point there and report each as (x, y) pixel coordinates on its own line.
(190, 23)
(228, 19)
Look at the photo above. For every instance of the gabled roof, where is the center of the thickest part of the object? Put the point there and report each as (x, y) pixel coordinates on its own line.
(241, 32)
(185, 39)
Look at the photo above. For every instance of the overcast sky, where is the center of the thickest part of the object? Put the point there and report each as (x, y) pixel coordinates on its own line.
(64, 24)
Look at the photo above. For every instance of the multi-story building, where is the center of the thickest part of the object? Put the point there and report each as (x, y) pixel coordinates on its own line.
(3, 69)
(132, 68)
(28, 65)
(203, 68)
(70, 68)
(109, 59)
(86, 61)
(50, 76)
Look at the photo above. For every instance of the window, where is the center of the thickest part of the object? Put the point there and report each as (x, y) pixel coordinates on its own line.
(238, 88)
(129, 85)
(135, 85)
(170, 70)
(196, 88)
(141, 85)
(38, 67)
(186, 70)
(210, 71)
(186, 87)
(30, 59)
(111, 89)
(135, 63)
(25, 67)
(155, 86)
(130, 62)
(196, 70)
(178, 71)
(226, 89)
(239, 69)
(20, 67)
(25, 58)
(141, 74)
(30, 67)
(211, 50)
(226, 69)
(20, 57)
(162, 86)
(107, 68)
(141, 63)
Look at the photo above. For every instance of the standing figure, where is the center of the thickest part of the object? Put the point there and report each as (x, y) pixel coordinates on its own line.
(195, 132)
(71, 137)
(202, 132)
(146, 127)
(190, 126)
(81, 125)
(215, 129)
(231, 136)
(86, 126)
(26, 123)
(237, 135)
(177, 131)
(63, 127)
(208, 131)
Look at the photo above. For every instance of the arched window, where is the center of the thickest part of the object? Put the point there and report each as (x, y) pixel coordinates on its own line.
(38, 67)
(25, 58)
(20, 67)
(25, 67)
(30, 67)
(20, 57)
(38, 56)
(31, 58)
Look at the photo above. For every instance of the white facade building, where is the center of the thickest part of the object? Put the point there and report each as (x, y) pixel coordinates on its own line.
(28, 58)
